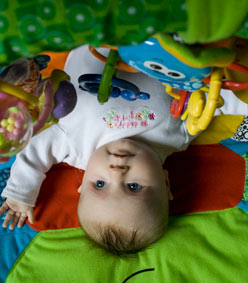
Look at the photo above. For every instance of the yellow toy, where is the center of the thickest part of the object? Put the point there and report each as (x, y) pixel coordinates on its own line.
(188, 72)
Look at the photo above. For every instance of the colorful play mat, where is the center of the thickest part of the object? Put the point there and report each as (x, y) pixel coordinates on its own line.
(206, 240)
(207, 235)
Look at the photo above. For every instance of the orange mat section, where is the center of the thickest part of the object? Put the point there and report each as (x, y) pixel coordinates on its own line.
(56, 206)
(57, 61)
(203, 178)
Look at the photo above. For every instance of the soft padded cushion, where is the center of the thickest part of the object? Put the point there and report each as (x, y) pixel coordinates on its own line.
(30, 27)
(208, 19)
(202, 247)
(204, 178)
(199, 246)
(56, 206)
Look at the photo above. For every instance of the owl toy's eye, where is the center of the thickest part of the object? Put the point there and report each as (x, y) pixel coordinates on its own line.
(174, 74)
(155, 67)
(160, 68)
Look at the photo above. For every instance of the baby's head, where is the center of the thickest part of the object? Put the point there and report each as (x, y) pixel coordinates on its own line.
(124, 196)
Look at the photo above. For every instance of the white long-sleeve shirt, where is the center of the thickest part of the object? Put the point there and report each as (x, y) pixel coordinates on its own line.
(92, 125)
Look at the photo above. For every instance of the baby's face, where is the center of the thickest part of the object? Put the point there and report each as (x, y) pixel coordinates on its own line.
(124, 184)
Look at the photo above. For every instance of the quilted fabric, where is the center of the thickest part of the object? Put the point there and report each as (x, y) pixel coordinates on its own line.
(205, 242)
(30, 27)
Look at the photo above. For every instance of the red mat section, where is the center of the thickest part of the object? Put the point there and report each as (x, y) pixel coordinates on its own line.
(205, 177)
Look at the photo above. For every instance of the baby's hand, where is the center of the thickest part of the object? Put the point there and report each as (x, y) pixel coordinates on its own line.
(17, 211)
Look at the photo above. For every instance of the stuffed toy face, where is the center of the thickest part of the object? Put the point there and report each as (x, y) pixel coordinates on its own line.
(152, 59)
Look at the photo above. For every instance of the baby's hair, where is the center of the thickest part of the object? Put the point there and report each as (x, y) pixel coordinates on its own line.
(120, 241)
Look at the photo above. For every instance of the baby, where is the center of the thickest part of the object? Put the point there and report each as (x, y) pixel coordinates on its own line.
(124, 196)
(122, 146)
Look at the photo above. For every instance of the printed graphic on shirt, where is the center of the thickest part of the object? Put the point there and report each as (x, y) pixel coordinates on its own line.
(132, 119)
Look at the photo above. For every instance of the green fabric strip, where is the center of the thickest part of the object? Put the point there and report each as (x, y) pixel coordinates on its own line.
(202, 248)
(211, 20)
(245, 194)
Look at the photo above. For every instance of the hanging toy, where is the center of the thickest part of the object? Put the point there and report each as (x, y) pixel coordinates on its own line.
(108, 85)
(15, 126)
(30, 104)
(188, 72)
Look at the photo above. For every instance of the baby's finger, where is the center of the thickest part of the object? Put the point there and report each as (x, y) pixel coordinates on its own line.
(3, 208)
(14, 221)
(31, 215)
(8, 217)
(21, 221)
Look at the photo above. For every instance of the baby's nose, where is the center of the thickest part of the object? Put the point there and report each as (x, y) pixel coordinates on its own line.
(119, 168)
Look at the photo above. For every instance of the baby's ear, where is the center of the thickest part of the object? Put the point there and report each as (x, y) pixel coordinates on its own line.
(167, 181)
(80, 189)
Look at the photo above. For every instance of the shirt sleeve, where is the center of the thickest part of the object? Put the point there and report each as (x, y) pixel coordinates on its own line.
(28, 171)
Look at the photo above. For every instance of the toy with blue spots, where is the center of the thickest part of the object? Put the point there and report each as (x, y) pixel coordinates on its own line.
(173, 63)
(152, 59)
(185, 68)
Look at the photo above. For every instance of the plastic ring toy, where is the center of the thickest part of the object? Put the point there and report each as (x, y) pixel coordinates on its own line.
(235, 86)
(169, 90)
(19, 93)
(32, 101)
(196, 123)
(177, 105)
(46, 108)
(91, 83)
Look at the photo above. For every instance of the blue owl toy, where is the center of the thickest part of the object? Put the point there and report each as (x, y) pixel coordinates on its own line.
(151, 58)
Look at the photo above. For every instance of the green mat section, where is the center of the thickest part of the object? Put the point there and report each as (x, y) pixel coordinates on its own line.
(198, 248)
(32, 26)
(212, 20)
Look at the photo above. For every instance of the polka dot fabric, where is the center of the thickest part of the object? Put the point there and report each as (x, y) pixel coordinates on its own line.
(29, 27)
(33, 26)
(4, 175)
(242, 132)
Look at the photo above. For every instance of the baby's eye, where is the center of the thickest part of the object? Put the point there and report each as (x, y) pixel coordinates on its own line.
(134, 186)
(100, 184)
